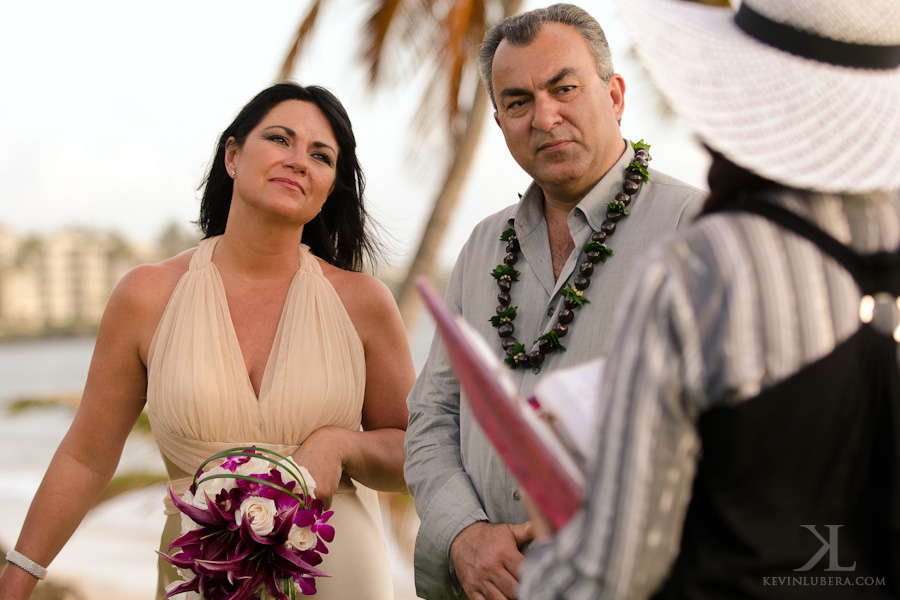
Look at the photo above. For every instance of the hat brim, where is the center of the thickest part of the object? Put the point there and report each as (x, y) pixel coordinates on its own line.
(796, 121)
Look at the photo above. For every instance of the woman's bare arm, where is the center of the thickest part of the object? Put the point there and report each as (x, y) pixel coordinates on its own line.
(374, 457)
(113, 398)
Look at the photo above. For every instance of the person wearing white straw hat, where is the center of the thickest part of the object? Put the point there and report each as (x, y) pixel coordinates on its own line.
(750, 446)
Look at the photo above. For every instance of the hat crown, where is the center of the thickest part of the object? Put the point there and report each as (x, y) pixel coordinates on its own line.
(870, 22)
(816, 93)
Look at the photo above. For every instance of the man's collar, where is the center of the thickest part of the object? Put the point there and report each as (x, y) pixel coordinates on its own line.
(530, 212)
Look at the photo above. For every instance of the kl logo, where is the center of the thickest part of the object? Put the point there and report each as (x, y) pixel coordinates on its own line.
(829, 547)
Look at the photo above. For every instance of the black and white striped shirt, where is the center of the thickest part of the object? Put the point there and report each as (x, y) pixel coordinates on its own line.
(732, 306)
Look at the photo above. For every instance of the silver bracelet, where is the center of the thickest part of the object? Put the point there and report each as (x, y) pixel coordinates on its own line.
(25, 563)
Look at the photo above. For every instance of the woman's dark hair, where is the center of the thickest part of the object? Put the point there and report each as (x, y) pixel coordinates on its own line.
(728, 183)
(339, 234)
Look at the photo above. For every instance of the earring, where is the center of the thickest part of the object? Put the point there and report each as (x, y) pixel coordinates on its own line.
(233, 173)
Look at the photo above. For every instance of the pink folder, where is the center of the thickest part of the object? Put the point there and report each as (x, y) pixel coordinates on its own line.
(534, 463)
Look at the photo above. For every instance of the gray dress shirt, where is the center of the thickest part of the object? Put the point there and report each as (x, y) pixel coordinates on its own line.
(451, 469)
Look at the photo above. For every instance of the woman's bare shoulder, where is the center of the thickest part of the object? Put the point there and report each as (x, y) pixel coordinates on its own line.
(139, 300)
(358, 289)
(148, 287)
(366, 299)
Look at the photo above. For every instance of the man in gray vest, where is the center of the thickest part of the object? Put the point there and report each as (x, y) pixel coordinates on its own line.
(523, 280)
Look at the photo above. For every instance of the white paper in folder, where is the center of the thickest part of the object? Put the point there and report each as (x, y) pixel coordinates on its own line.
(569, 400)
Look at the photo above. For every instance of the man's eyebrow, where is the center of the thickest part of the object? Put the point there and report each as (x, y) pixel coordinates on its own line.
(560, 76)
(513, 92)
(292, 133)
(508, 92)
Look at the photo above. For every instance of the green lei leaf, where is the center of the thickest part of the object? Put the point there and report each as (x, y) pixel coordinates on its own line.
(505, 271)
(509, 313)
(618, 207)
(551, 337)
(641, 144)
(604, 250)
(574, 295)
(637, 168)
(510, 359)
(509, 234)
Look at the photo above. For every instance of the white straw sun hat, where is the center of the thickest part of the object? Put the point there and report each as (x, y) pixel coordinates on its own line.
(790, 113)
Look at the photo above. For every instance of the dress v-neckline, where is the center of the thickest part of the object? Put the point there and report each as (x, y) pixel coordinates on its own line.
(273, 354)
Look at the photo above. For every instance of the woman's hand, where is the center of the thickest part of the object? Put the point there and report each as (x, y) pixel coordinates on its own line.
(324, 453)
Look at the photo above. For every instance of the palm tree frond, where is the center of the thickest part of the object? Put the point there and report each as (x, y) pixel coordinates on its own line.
(382, 20)
(420, 25)
(143, 424)
(457, 49)
(431, 116)
(24, 405)
(129, 482)
(303, 32)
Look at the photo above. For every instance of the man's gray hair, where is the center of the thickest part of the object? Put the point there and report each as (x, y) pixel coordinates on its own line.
(522, 29)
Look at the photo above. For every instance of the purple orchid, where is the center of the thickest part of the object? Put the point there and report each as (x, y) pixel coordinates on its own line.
(235, 562)
(233, 462)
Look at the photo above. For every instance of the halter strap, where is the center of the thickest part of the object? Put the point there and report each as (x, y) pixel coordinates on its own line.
(204, 253)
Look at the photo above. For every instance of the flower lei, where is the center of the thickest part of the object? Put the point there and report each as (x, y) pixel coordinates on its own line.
(595, 251)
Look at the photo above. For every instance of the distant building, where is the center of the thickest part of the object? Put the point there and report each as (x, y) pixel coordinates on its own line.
(58, 283)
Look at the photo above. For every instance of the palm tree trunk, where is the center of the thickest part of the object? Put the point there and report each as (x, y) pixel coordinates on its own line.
(444, 205)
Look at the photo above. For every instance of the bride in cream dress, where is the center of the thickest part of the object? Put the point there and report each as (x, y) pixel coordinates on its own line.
(265, 334)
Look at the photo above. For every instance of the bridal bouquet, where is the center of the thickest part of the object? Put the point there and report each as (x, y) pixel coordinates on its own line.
(251, 530)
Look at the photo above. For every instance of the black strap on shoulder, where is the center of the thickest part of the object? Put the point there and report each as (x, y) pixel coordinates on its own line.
(873, 273)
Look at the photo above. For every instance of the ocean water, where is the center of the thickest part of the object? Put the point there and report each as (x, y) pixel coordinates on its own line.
(113, 549)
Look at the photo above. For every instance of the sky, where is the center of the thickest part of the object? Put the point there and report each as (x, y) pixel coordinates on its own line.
(110, 110)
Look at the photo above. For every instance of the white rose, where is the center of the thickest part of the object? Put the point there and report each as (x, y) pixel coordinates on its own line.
(212, 487)
(300, 538)
(307, 478)
(261, 511)
(254, 466)
(187, 523)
